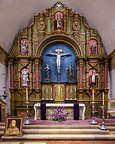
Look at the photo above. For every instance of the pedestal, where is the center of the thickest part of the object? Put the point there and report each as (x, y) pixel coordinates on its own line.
(27, 121)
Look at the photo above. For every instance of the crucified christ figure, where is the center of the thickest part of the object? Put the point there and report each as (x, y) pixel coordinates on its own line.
(59, 55)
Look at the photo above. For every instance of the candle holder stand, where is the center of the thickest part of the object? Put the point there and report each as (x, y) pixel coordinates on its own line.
(93, 122)
(27, 121)
(103, 117)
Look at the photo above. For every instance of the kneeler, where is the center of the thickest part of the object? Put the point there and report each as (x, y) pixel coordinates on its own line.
(76, 111)
(43, 111)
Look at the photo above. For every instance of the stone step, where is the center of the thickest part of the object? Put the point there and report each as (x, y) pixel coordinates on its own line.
(60, 126)
(2, 128)
(1, 133)
(64, 131)
(110, 124)
(2, 124)
(72, 137)
(111, 128)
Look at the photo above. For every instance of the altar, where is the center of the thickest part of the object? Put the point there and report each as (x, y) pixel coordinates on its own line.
(58, 58)
(73, 110)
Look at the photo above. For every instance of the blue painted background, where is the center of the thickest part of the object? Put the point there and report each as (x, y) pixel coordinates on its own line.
(65, 62)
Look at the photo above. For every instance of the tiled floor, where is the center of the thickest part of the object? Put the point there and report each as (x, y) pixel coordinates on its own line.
(61, 142)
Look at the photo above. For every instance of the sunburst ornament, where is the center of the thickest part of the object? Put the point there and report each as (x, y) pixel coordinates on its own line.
(58, 5)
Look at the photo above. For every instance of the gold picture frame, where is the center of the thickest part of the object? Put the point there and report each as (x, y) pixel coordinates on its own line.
(13, 126)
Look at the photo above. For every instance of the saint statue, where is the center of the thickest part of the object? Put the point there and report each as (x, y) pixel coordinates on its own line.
(47, 73)
(41, 24)
(93, 79)
(25, 77)
(70, 74)
(58, 60)
(24, 46)
(59, 21)
(93, 48)
(76, 25)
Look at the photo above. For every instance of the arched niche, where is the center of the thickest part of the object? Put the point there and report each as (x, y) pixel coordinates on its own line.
(59, 39)
(65, 62)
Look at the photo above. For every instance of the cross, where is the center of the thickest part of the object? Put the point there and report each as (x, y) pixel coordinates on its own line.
(58, 60)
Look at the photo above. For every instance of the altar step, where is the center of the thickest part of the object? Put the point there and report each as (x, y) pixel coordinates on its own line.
(2, 128)
(61, 137)
(62, 132)
(60, 126)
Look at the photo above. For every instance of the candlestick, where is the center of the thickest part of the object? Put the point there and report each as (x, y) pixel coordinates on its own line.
(26, 94)
(93, 122)
(92, 95)
(103, 114)
(103, 98)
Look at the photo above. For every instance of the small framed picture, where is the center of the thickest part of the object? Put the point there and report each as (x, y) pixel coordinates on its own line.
(13, 126)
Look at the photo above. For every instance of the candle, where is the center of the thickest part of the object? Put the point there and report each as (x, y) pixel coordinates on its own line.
(27, 94)
(92, 95)
(103, 98)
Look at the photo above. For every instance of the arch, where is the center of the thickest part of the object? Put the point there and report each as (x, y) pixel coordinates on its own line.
(59, 39)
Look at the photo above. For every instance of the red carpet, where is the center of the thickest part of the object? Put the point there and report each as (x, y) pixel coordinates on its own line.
(71, 122)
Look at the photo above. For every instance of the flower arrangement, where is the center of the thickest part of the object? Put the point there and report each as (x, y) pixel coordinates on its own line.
(59, 114)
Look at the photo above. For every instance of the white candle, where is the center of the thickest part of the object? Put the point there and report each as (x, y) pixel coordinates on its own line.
(92, 95)
(103, 97)
(27, 94)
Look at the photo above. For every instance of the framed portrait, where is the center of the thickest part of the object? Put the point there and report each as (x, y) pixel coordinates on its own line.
(13, 126)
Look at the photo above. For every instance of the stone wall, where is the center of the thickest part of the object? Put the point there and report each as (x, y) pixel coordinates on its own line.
(3, 72)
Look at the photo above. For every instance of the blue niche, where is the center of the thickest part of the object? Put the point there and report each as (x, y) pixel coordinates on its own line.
(66, 61)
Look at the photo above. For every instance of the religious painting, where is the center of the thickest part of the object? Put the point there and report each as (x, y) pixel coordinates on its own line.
(93, 78)
(70, 92)
(47, 92)
(92, 47)
(25, 77)
(59, 21)
(24, 45)
(59, 92)
(13, 126)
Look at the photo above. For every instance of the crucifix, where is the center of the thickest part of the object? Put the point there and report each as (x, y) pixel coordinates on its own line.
(58, 60)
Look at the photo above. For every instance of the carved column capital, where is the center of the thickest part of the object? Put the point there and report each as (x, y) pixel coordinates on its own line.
(80, 62)
(36, 61)
(106, 62)
(11, 61)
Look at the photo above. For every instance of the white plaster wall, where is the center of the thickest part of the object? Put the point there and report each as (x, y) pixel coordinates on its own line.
(5, 85)
(7, 89)
(109, 86)
(17, 14)
(113, 83)
(2, 79)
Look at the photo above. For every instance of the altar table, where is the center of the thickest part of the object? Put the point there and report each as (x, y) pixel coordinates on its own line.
(58, 105)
